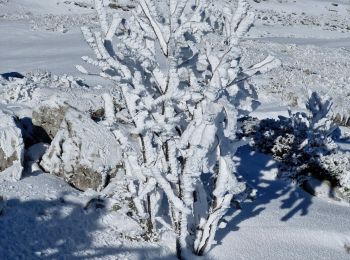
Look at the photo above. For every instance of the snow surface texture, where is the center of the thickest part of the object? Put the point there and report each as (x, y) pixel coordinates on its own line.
(41, 216)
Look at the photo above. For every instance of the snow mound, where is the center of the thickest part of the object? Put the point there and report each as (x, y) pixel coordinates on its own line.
(83, 152)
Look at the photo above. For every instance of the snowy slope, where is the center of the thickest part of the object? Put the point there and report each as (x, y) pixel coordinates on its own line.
(312, 40)
(302, 19)
(55, 52)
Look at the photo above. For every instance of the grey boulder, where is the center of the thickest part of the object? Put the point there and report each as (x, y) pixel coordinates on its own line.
(83, 152)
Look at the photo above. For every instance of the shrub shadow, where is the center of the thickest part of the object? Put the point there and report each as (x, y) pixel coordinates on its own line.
(55, 229)
(254, 168)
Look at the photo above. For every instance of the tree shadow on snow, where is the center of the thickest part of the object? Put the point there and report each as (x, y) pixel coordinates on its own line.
(255, 167)
(44, 229)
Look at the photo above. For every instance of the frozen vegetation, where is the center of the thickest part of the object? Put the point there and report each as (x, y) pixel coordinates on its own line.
(179, 129)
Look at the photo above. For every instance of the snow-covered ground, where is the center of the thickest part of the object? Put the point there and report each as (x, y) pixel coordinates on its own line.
(43, 217)
(283, 221)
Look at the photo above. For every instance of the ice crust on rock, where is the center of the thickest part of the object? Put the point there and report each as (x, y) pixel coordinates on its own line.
(11, 146)
(83, 152)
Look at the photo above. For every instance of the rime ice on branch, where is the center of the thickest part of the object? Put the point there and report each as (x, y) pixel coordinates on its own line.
(180, 78)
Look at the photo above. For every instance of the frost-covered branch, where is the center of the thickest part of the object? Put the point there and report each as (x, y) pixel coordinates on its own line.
(155, 26)
(177, 75)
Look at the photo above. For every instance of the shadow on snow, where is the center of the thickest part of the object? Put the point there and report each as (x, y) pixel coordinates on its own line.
(252, 167)
(43, 229)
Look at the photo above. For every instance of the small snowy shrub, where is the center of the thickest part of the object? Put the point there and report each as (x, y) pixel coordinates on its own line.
(312, 134)
(270, 133)
(183, 88)
(300, 140)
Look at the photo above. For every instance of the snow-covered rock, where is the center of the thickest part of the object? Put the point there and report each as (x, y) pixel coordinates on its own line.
(11, 146)
(14, 87)
(49, 116)
(83, 152)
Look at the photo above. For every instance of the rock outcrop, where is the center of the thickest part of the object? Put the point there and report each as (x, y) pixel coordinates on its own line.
(48, 117)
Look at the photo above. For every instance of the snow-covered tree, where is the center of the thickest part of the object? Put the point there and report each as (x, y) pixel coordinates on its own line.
(177, 66)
